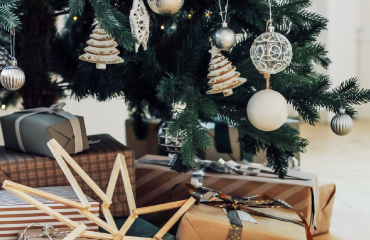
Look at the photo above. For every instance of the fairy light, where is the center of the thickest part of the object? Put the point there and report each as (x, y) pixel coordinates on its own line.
(75, 18)
(189, 16)
(115, 4)
(162, 27)
(3, 106)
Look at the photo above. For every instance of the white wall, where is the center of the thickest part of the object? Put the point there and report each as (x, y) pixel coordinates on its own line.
(348, 42)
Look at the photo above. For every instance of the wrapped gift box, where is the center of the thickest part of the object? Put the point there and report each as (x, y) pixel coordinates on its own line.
(39, 171)
(38, 129)
(16, 214)
(325, 207)
(202, 222)
(154, 184)
(150, 144)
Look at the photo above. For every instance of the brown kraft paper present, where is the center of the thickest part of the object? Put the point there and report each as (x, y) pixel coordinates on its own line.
(325, 207)
(202, 222)
(38, 171)
(154, 184)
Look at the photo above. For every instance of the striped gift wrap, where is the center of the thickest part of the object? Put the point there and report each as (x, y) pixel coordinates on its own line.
(16, 214)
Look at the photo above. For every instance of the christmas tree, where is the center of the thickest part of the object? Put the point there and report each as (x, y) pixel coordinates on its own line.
(174, 69)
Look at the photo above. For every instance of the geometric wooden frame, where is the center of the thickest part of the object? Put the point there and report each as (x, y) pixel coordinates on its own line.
(120, 166)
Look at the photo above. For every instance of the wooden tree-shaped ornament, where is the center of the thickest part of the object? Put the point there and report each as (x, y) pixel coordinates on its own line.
(222, 75)
(101, 50)
(63, 158)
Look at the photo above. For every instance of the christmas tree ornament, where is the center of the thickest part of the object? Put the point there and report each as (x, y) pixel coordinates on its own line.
(224, 38)
(5, 58)
(267, 110)
(222, 76)
(101, 50)
(12, 77)
(165, 7)
(285, 26)
(169, 143)
(341, 124)
(139, 22)
(271, 52)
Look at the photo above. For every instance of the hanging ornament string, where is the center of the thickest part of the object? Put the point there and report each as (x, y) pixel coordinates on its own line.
(223, 12)
(12, 43)
(270, 12)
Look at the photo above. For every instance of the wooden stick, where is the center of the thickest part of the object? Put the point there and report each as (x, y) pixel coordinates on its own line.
(118, 237)
(113, 179)
(174, 219)
(43, 194)
(126, 226)
(158, 208)
(43, 207)
(108, 217)
(127, 183)
(99, 222)
(136, 238)
(80, 171)
(69, 175)
(96, 235)
(77, 232)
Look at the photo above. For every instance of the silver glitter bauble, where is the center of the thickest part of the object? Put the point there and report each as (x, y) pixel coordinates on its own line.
(165, 7)
(12, 77)
(5, 58)
(341, 124)
(224, 38)
(169, 143)
(271, 52)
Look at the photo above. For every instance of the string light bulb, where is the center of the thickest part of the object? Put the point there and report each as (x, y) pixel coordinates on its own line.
(75, 18)
(162, 27)
(3, 106)
(189, 16)
(115, 4)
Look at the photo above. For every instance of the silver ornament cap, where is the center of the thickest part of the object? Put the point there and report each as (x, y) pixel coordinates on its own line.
(165, 7)
(341, 124)
(12, 77)
(224, 38)
(169, 143)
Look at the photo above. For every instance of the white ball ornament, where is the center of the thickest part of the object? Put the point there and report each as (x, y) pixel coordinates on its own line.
(271, 52)
(267, 110)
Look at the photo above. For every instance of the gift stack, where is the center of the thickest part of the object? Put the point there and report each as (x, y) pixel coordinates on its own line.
(155, 184)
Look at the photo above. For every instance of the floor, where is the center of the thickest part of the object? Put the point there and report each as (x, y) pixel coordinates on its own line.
(344, 160)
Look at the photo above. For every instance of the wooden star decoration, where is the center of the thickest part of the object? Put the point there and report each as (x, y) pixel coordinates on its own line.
(78, 229)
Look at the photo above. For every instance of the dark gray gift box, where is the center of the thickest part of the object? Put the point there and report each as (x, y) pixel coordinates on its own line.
(36, 130)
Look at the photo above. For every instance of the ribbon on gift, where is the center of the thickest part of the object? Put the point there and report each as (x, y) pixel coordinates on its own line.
(54, 109)
(45, 234)
(218, 199)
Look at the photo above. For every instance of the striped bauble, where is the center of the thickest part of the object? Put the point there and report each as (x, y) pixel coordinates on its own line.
(12, 77)
(341, 124)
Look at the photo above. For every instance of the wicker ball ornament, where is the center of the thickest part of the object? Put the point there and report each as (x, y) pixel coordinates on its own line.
(267, 110)
(5, 58)
(12, 77)
(165, 7)
(341, 124)
(271, 52)
(169, 143)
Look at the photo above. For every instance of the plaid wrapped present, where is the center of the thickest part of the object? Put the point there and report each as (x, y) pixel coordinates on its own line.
(40, 171)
